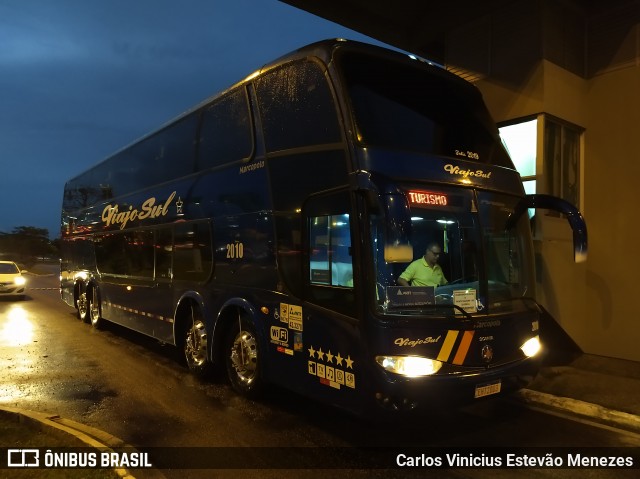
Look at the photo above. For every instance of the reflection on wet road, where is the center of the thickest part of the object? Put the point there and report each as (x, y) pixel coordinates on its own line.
(17, 329)
(44, 365)
(16, 353)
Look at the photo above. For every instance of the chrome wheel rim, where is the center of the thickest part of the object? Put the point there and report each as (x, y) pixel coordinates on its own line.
(244, 357)
(196, 344)
(94, 309)
(82, 305)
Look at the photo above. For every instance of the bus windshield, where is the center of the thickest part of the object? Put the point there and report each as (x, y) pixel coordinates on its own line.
(484, 265)
(416, 107)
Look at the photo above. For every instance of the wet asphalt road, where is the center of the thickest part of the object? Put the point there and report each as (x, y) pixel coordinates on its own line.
(139, 391)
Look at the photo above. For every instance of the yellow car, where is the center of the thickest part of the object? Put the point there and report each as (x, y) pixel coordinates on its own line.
(12, 283)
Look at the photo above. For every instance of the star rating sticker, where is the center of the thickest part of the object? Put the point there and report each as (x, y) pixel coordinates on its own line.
(349, 362)
(339, 359)
(330, 357)
(320, 354)
(312, 352)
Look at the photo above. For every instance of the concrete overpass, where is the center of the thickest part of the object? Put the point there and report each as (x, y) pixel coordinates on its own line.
(424, 27)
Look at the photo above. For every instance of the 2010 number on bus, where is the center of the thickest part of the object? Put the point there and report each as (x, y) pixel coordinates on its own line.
(235, 250)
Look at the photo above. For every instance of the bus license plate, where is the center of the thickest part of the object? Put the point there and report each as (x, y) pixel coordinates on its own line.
(483, 390)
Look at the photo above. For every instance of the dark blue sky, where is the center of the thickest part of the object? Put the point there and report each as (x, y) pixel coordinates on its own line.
(80, 79)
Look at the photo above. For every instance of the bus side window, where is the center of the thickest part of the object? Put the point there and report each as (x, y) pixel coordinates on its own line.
(330, 281)
(129, 254)
(110, 253)
(297, 107)
(330, 251)
(164, 253)
(226, 132)
(192, 255)
(164, 156)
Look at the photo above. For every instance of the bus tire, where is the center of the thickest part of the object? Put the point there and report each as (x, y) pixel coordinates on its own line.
(82, 305)
(94, 309)
(195, 344)
(243, 359)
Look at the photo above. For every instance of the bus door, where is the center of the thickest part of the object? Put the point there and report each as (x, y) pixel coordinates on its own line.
(329, 332)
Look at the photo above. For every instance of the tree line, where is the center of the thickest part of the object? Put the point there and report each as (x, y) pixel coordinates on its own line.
(28, 244)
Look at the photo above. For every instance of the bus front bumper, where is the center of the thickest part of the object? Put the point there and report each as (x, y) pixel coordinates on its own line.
(396, 393)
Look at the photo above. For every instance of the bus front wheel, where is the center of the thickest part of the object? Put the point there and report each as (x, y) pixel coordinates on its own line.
(242, 357)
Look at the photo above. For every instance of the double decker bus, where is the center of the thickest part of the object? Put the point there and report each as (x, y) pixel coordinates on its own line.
(263, 232)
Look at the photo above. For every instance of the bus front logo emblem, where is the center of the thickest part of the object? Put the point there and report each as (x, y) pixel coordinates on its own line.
(487, 353)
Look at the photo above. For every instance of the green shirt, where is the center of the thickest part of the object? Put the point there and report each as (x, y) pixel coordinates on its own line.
(419, 273)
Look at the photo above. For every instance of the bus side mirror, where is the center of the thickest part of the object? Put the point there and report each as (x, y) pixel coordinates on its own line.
(575, 219)
(362, 182)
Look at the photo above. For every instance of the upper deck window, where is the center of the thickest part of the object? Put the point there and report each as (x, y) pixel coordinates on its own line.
(164, 156)
(297, 107)
(411, 106)
(226, 132)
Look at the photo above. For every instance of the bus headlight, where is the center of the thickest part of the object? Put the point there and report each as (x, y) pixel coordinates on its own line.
(531, 347)
(411, 366)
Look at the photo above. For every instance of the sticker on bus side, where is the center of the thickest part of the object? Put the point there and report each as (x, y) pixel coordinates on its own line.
(280, 337)
(332, 370)
(292, 315)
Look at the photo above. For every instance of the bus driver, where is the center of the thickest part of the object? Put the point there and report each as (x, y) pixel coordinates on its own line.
(424, 271)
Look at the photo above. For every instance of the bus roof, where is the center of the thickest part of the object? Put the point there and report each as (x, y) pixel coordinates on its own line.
(323, 50)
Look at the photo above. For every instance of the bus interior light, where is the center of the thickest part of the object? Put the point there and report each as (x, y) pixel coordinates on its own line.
(531, 347)
(411, 366)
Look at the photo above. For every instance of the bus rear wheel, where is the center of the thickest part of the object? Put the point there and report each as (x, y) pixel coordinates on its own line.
(93, 308)
(82, 305)
(242, 357)
(195, 345)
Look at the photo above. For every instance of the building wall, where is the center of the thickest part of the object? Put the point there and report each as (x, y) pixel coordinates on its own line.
(583, 66)
(612, 171)
(592, 301)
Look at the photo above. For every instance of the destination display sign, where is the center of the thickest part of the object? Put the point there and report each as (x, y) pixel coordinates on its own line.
(427, 198)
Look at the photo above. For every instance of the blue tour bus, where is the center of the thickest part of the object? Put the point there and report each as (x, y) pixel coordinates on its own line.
(263, 232)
